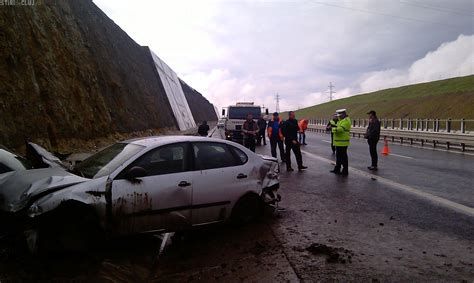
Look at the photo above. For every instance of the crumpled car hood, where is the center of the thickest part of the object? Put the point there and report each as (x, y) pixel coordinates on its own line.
(18, 187)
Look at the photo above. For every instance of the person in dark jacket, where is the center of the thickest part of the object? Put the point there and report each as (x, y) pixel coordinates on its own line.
(203, 129)
(329, 128)
(276, 136)
(250, 130)
(290, 131)
(373, 135)
(262, 126)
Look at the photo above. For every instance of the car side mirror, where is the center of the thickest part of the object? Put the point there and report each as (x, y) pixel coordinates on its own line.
(134, 173)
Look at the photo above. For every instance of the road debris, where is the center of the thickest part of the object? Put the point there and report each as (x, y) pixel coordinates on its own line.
(333, 254)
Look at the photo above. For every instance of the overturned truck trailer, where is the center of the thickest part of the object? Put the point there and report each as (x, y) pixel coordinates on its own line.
(174, 92)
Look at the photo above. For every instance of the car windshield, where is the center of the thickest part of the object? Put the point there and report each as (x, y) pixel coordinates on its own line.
(241, 112)
(107, 160)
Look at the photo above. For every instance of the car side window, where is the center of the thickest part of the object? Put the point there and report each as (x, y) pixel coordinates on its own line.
(242, 158)
(208, 155)
(167, 159)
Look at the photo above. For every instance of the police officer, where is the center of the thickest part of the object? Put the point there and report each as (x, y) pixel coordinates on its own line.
(290, 131)
(341, 131)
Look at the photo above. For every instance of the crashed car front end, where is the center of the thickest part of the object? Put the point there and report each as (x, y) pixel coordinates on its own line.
(26, 195)
(269, 174)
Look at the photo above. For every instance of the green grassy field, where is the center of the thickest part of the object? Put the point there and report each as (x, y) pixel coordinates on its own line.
(450, 98)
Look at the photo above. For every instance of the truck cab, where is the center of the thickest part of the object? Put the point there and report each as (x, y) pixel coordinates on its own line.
(236, 116)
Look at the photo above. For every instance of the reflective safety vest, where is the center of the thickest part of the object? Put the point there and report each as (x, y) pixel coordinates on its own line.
(341, 132)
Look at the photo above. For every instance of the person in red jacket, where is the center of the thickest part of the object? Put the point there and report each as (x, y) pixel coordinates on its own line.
(303, 125)
(275, 136)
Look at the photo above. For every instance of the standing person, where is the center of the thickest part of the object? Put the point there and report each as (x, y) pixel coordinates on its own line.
(203, 129)
(329, 128)
(250, 130)
(373, 135)
(303, 125)
(342, 136)
(262, 125)
(275, 135)
(290, 131)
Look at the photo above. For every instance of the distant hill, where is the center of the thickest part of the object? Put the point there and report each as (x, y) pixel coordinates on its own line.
(450, 98)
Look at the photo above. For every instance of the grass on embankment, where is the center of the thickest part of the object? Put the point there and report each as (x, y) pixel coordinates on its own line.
(450, 98)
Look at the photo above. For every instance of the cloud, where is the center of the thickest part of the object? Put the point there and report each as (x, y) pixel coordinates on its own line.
(251, 50)
(450, 59)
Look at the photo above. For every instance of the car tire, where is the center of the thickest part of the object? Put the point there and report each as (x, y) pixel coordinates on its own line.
(247, 209)
(71, 228)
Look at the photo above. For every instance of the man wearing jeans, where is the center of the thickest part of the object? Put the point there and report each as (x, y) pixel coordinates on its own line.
(290, 131)
(373, 135)
(276, 137)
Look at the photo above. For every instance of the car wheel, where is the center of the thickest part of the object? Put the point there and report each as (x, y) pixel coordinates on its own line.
(71, 228)
(247, 209)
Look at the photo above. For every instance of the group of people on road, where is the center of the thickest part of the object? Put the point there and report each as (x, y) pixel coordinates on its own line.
(289, 135)
(340, 127)
(282, 134)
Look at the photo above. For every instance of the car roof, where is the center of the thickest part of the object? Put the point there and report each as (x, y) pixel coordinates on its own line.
(162, 140)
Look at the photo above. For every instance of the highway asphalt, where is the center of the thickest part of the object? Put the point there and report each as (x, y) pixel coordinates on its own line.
(360, 228)
(446, 174)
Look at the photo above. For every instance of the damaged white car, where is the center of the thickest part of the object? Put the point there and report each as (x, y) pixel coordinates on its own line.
(144, 185)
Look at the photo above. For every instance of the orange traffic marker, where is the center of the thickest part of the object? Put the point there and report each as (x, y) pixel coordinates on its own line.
(386, 150)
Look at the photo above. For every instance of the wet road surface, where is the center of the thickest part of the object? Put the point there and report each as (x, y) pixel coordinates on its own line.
(331, 228)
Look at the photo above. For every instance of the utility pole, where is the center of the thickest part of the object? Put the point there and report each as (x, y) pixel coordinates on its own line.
(331, 91)
(277, 103)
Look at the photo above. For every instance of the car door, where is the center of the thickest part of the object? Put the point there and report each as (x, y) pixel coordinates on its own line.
(220, 177)
(161, 199)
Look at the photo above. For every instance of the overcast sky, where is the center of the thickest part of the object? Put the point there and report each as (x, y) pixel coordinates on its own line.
(250, 50)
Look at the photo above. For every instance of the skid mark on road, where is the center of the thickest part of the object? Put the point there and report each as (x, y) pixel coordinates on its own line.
(427, 196)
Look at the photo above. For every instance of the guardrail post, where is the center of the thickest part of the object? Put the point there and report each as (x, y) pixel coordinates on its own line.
(384, 123)
(417, 126)
(463, 126)
(401, 124)
(428, 124)
(437, 125)
(393, 124)
(448, 125)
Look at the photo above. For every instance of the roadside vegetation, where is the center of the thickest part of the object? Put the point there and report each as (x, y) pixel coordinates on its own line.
(450, 98)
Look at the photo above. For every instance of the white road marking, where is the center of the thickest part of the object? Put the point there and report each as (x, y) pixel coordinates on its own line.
(326, 141)
(424, 195)
(402, 156)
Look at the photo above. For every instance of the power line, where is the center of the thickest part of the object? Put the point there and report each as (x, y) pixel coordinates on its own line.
(384, 14)
(277, 98)
(445, 8)
(415, 4)
(331, 92)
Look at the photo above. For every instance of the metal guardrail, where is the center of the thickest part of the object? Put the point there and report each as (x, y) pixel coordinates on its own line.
(413, 131)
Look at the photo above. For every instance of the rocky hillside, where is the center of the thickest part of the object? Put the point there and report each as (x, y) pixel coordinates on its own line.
(201, 108)
(67, 71)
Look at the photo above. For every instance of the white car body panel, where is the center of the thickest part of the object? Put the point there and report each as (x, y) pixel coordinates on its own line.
(158, 202)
